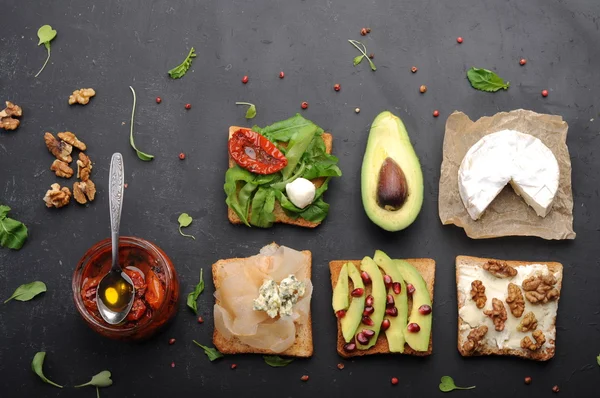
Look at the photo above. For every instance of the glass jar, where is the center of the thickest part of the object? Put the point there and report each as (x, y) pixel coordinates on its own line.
(135, 255)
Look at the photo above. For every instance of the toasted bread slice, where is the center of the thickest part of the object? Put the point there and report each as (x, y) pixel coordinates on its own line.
(280, 216)
(426, 268)
(303, 345)
(499, 289)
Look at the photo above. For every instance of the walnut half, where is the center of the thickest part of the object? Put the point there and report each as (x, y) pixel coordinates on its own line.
(500, 269)
(84, 167)
(528, 323)
(478, 293)
(528, 344)
(539, 288)
(497, 314)
(515, 300)
(474, 339)
(81, 96)
(71, 139)
(84, 191)
(61, 169)
(8, 116)
(57, 196)
(60, 149)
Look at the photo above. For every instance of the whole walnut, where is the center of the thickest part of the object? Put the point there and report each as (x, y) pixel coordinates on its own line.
(500, 269)
(539, 288)
(478, 293)
(515, 300)
(497, 314)
(529, 322)
(474, 339)
(528, 344)
(57, 196)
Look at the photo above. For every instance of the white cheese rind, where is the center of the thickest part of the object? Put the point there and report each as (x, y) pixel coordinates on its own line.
(503, 157)
(510, 337)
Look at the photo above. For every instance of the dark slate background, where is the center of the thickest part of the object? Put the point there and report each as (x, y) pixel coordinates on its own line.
(109, 45)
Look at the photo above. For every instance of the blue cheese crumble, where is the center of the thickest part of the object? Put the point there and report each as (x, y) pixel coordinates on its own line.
(279, 299)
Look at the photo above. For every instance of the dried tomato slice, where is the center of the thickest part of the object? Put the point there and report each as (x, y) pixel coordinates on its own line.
(137, 310)
(138, 282)
(255, 153)
(155, 294)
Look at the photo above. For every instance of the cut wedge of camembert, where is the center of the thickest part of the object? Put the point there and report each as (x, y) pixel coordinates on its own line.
(508, 157)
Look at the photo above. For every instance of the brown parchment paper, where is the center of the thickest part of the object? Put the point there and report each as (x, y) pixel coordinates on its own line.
(508, 214)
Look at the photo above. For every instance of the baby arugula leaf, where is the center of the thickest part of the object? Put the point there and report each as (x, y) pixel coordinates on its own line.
(251, 112)
(276, 361)
(102, 379)
(143, 156)
(184, 221)
(361, 47)
(181, 69)
(447, 385)
(358, 59)
(46, 34)
(13, 233)
(193, 296)
(598, 360)
(36, 366)
(211, 353)
(486, 80)
(28, 291)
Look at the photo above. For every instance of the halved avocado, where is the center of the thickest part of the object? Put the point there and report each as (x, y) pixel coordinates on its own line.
(378, 293)
(355, 312)
(418, 341)
(395, 333)
(339, 300)
(391, 177)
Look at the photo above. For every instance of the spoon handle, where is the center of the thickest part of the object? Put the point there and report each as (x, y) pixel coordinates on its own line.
(115, 193)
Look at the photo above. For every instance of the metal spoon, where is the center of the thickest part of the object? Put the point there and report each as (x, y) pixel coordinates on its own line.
(124, 292)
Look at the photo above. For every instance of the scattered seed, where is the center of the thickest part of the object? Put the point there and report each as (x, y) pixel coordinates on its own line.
(188, 106)
(171, 341)
(459, 39)
(544, 93)
(158, 100)
(304, 105)
(200, 320)
(522, 61)
(304, 378)
(125, 185)
(528, 380)
(555, 389)
(371, 55)
(233, 366)
(357, 110)
(436, 113)
(423, 89)
(340, 366)
(414, 69)
(394, 381)
(363, 32)
(172, 364)
(281, 75)
(368, 30)
(245, 79)
(337, 87)
(182, 156)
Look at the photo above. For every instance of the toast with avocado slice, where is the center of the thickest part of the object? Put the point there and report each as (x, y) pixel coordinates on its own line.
(380, 314)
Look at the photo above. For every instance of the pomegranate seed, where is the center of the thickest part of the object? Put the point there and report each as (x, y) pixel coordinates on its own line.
(555, 389)
(171, 341)
(369, 333)
(391, 311)
(349, 347)
(340, 366)
(522, 61)
(385, 324)
(544, 93)
(459, 39)
(200, 320)
(436, 113)
(363, 32)
(425, 309)
(158, 100)
(528, 380)
(369, 301)
(304, 105)
(365, 277)
(372, 56)
(394, 381)
(281, 75)
(172, 364)
(389, 301)
(367, 321)
(233, 366)
(340, 314)
(423, 89)
(245, 79)
(188, 106)
(414, 69)
(397, 287)
(304, 378)
(413, 327)
(362, 339)
(337, 87)
(125, 185)
(358, 292)
(410, 289)
(368, 311)
(387, 281)
(182, 156)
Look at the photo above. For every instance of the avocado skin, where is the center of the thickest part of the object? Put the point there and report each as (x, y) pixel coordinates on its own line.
(388, 138)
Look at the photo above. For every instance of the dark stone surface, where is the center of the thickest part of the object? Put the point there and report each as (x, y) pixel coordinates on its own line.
(112, 44)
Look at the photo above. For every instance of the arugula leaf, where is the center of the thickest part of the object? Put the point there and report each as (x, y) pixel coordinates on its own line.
(102, 379)
(181, 69)
(185, 220)
(276, 361)
(193, 296)
(36, 366)
(357, 60)
(46, 34)
(211, 353)
(232, 177)
(263, 206)
(296, 148)
(361, 47)
(598, 359)
(13, 233)
(27, 291)
(251, 112)
(486, 80)
(447, 385)
(143, 156)
(284, 130)
(316, 212)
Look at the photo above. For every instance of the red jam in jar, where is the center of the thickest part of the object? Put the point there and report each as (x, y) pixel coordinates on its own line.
(154, 279)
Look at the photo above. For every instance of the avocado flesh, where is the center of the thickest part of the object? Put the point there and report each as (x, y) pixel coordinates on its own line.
(395, 333)
(417, 341)
(388, 138)
(378, 293)
(339, 301)
(353, 316)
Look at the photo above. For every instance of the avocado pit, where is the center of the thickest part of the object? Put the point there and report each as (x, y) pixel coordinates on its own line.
(392, 188)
